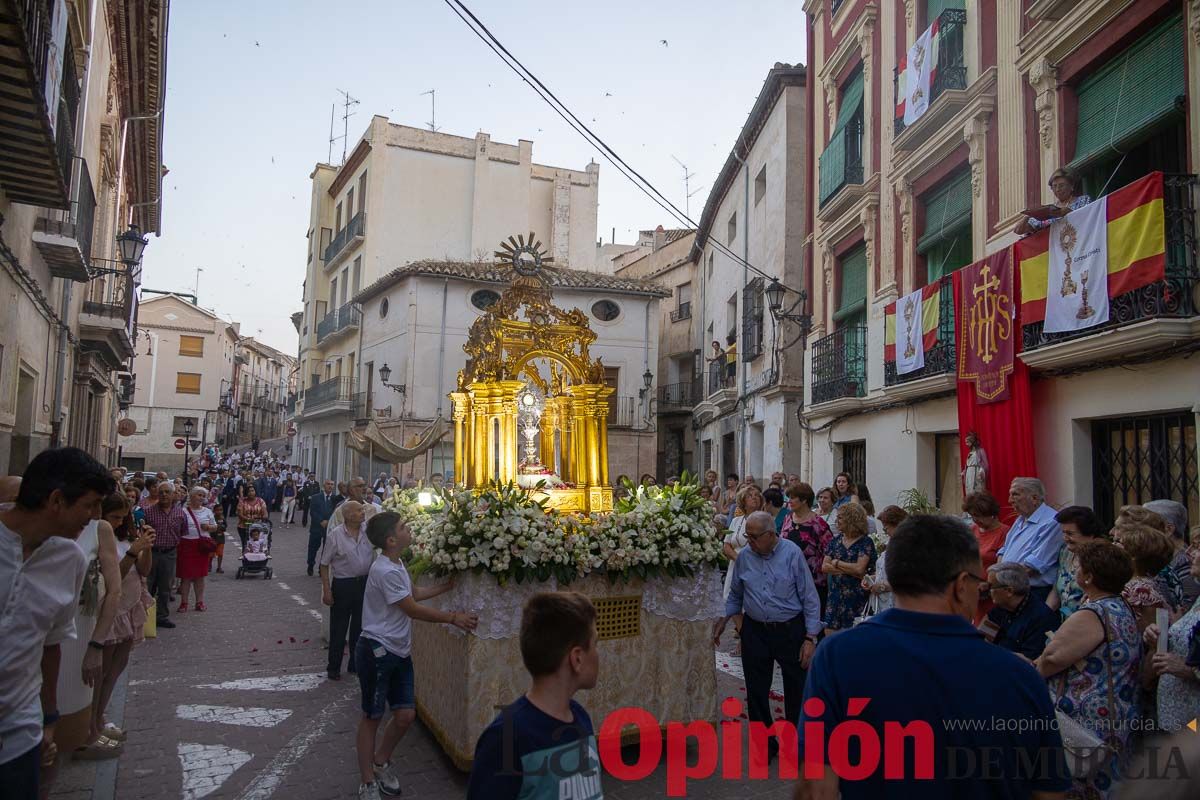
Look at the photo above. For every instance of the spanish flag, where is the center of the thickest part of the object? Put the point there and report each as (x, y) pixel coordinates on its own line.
(1136, 247)
(930, 317)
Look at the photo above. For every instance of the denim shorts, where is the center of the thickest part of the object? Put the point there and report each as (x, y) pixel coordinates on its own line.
(385, 680)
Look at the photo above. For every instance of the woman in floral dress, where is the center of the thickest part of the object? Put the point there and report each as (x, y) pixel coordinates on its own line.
(807, 529)
(1150, 551)
(851, 555)
(1079, 524)
(1091, 664)
(1178, 680)
(251, 509)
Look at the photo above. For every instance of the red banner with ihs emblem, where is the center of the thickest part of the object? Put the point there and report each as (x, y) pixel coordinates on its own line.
(994, 401)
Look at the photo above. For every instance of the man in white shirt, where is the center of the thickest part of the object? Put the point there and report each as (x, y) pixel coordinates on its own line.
(356, 490)
(1035, 537)
(41, 573)
(345, 561)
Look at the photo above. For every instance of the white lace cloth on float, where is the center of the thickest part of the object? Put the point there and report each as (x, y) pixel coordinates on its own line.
(693, 599)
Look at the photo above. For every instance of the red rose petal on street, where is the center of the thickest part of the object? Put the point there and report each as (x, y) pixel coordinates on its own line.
(279, 642)
(254, 650)
(292, 639)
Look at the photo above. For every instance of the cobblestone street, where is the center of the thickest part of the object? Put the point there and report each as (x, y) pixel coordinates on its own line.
(234, 703)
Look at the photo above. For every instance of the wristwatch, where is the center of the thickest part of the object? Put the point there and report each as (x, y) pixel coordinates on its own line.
(811, 638)
(96, 645)
(49, 718)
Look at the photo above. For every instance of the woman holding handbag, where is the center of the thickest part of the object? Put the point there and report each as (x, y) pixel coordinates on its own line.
(195, 548)
(1091, 665)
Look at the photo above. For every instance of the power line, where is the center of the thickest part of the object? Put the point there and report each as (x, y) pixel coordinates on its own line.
(645, 186)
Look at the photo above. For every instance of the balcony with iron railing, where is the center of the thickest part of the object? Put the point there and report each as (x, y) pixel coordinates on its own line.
(64, 237)
(106, 317)
(948, 75)
(339, 321)
(348, 236)
(675, 398)
(622, 411)
(839, 364)
(841, 163)
(939, 359)
(39, 99)
(334, 394)
(1174, 298)
(682, 312)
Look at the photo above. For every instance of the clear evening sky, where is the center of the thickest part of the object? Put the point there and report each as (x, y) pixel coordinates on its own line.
(250, 84)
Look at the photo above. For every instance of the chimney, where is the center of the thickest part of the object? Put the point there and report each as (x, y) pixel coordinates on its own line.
(660, 237)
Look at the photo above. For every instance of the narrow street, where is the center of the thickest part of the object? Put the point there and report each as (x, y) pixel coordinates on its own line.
(234, 703)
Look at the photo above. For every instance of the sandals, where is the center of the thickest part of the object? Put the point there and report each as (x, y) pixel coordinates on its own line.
(114, 733)
(201, 607)
(182, 608)
(102, 748)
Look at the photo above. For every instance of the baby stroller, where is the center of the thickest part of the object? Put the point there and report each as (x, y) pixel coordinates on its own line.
(257, 561)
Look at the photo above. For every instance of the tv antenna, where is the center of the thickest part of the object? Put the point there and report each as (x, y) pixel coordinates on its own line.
(432, 109)
(687, 193)
(348, 103)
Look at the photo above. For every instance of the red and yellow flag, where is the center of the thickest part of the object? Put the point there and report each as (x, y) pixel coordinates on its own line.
(930, 317)
(1136, 247)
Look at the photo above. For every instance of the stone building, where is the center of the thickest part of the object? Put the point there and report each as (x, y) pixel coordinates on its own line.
(1107, 88)
(664, 256)
(408, 195)
(753, 225)
(183, 373)
(81, 105)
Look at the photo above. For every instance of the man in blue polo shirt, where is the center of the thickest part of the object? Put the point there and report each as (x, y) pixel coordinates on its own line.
(953, 716)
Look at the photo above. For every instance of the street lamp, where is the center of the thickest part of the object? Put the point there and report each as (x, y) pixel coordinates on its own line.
(385, 374)
(775, 294)
(188, 428)
(131, 244)
(647, 381)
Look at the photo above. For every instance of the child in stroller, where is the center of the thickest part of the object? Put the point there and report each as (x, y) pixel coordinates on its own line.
(256, 557)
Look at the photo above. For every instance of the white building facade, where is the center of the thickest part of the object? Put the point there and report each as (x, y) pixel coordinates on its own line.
(747, 422)
(406, 195)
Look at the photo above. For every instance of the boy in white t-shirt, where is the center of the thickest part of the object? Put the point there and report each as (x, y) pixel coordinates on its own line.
(383, 652)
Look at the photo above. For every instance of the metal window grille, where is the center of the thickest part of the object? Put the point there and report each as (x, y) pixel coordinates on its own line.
(854, 460)
(618, 617)
(1137, 459)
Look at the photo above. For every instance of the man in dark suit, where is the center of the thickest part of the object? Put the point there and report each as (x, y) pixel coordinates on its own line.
(231, 493)
(310, 488)
(320, 508)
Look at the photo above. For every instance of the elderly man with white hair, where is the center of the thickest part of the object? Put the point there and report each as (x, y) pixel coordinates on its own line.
(170, 525)
(774, 588)
(1021, 619)
(1035, 537)
(1175, 515)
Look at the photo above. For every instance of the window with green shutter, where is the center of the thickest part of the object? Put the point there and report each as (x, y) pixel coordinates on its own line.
(947, 256)
(841, 162)
(947, 213)
(852, 288)
(1132, 95)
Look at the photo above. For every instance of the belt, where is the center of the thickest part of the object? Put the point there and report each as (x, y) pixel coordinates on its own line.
(164, 549)
(785, 624)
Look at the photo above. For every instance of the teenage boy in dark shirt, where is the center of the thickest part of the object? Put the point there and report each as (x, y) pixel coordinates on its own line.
(543, 745)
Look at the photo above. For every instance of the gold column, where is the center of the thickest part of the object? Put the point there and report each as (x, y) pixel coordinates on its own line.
(603, 400)
(461, 437)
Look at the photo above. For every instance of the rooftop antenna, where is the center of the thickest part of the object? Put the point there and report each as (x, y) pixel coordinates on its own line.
(196, 289)
(687, 194)
(332, 138)
(432, 108)
(348, 102)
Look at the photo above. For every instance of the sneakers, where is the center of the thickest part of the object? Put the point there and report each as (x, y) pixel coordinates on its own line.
(368, 791)
(386, 779)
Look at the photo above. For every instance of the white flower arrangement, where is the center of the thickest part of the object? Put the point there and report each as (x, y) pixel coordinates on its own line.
(507, 533)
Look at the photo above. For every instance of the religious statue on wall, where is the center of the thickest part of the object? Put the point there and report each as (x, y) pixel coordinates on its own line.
(975, 473)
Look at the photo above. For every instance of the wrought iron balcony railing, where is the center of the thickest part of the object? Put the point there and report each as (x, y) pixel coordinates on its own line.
(1173, 297)
(621, 411)
(718, 377)
(684, 311)
(839, 364)
(328, 393)
(841, 163)
(111, 295)
(951, 69)
(356, 227)
(348, 316)
(680, 396)
(64, 237)
(939, 359)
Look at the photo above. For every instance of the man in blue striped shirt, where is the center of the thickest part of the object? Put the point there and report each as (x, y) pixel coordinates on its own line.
(773, 587)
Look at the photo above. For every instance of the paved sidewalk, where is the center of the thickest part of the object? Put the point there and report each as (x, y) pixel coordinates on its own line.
(233, 703)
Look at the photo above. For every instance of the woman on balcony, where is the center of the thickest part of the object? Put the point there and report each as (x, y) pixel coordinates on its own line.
(1067, 198)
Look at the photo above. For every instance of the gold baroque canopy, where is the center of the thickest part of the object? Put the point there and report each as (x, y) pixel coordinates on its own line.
(503, 349)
